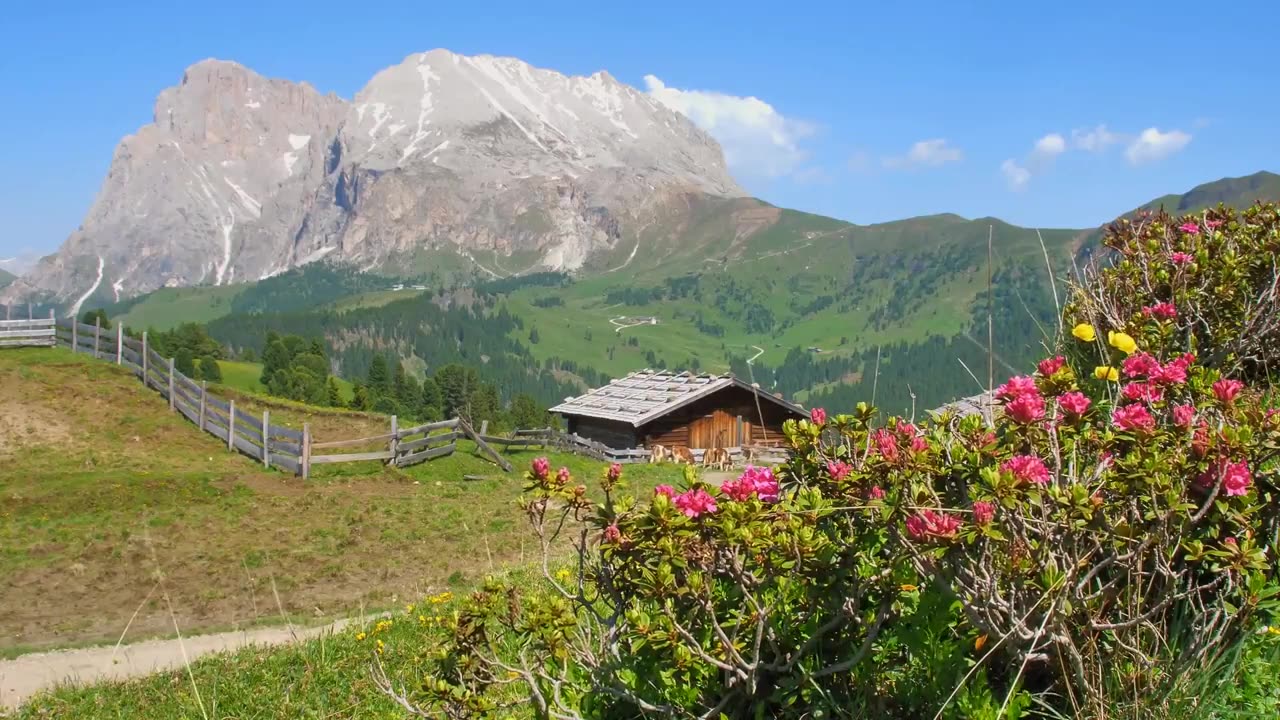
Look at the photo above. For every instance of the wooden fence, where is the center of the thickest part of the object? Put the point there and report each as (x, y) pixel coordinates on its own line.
(572, 442)
(257, 437)
(31, 331)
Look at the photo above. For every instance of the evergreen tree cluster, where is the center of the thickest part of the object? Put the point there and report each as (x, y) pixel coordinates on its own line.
(297, 369)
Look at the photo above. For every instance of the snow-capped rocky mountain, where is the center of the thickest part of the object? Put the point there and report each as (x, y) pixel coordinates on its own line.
(240, 177)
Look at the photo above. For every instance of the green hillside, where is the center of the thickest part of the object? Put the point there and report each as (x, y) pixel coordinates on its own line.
(722, 279)
(1237, 192)
(6, 278)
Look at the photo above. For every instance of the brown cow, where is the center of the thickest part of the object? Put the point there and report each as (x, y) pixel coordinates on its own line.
(717, 458)
(681, 454)
(659, 454)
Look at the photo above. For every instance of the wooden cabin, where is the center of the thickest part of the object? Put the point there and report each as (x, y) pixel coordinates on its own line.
(678, 409)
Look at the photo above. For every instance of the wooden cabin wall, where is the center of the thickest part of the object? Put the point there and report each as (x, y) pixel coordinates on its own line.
(725, 419)
(615, 434)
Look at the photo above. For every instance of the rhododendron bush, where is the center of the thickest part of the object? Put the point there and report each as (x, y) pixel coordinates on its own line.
(1108, 531)
(1209, 279)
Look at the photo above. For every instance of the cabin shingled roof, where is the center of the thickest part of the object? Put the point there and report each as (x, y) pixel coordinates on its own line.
(646, 395)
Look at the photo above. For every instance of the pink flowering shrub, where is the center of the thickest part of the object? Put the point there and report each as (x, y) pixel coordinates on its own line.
(1207, 280)
(1110, 535)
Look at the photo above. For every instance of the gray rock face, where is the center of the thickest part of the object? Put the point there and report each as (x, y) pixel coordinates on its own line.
(241, 177)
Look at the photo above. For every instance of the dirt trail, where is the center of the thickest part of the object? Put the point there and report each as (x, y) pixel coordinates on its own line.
(25, 675)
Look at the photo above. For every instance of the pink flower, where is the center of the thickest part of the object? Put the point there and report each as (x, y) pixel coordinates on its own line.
(756, 481)
(1236, 479)
(929, 524)
(1180, 258)
(875, 493)
(818, 416)
(1175, 373)
(1143, 392)
(612, 534)
(1026, 409)
(1017, 387)
(919, 444)
(694, 503)
(615, 472)
(1235, 476)
(540, 468)
(983, 512)
(1134, 418)
(886, 444)
(1213, 224)
(1189, 228)
(1230, 541)
(1140, 365)
(1184, 415)
(1162, 311)
(665, 490)
(838, 470)
(562, 477)
(1050, 366)
(1074, 403)
(1027, 469)
(1226, 390)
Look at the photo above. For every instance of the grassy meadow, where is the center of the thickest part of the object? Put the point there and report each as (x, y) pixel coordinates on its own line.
(114, 503)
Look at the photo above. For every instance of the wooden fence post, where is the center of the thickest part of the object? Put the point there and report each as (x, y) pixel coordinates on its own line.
(74, 341)
(204, 390)
(8, 312)
(395, 439)
(266, 438)
(119, 343)
(171, 399)
(29, 315)
(305, 460)
(484, 427)
(145, 361)
(231, 426)
(53, 324)
(97, 334)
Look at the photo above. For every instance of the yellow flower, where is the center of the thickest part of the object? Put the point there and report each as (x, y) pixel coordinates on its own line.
(1085, 332)
(1105, 372)
(907, 588)
(563, 575)
(361, 636)
(409, 608)
(1122, 342)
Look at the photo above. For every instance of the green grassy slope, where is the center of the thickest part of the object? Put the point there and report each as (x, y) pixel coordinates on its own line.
(1236, 192)
(106, 491)
(6, 278)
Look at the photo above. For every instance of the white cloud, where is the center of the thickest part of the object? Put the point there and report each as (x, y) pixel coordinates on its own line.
(1049, 146)
(1094, 140)
(1019, 173)
(1152, 145)
(1016, 175)
(926, 153)
(757, 139)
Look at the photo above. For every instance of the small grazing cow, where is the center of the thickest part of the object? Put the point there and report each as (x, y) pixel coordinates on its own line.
(717, 458)
(749, 455)
(681, 454)
(659, 454)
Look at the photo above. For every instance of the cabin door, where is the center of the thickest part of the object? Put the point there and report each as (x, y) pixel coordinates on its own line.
(719, 429)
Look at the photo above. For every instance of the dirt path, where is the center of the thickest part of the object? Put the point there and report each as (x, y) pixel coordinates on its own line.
(24, 676)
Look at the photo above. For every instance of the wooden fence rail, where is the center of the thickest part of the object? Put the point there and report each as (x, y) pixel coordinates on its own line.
(258, 438)
(574, 443)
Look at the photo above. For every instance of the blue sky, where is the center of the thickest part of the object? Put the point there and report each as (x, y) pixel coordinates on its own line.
(1049, 115)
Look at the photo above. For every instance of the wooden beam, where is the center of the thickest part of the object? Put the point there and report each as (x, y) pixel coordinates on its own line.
(266, 438)
(171, 400)
(305, 459)
(502, 462)
(145, 359)
(119, 342)
(97, 334)
(204, 392)
(351, 457)
(231, 423)
(74, 340)
(394, 443)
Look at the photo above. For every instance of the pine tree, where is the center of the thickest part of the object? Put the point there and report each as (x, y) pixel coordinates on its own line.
(184, 363)
(334, 393)
(533, 335)
(526, 414)
(97, 315)
(379, 379)
(210, 370)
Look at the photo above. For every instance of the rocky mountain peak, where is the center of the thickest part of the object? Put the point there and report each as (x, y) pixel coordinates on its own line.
(242, 176)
